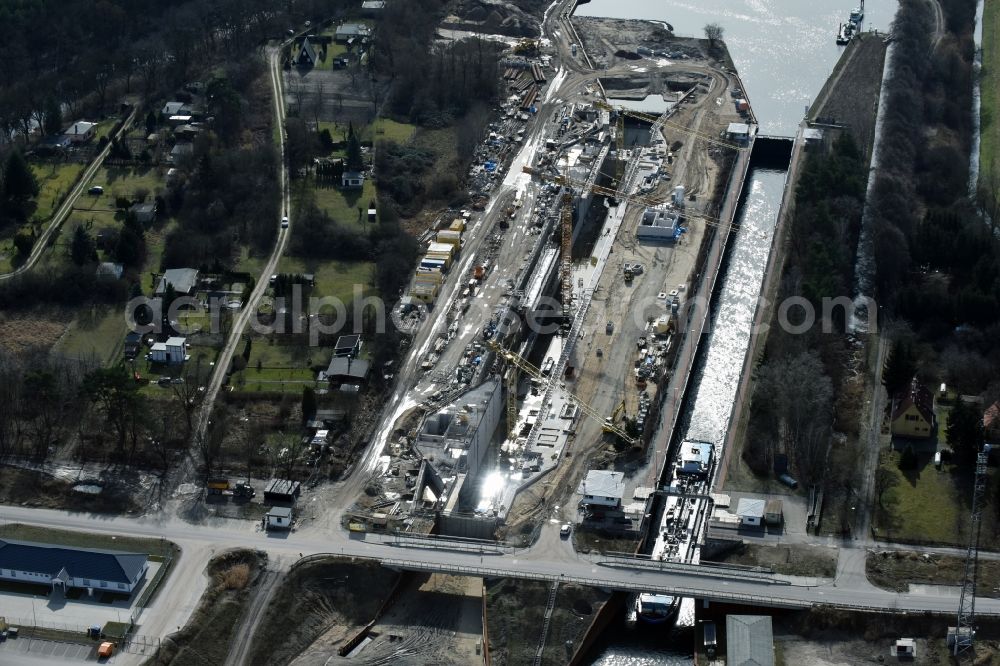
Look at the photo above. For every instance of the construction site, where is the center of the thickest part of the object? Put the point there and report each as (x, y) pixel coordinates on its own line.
(549, 319)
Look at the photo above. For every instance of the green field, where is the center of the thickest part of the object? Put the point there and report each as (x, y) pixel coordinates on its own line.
(382, 129)
(342, 205)
(929, 505)
(277, 367)
(990, 89)
(97, 331)
(333, 278)
(54, 181)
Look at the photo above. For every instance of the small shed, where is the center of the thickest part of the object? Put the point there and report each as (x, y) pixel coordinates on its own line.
(774, 512)
(279, 518)
(739, 132)
(904, 648)
(347, 345)
(282, 490)
(352, 180)
(751, 511)
(144, 213)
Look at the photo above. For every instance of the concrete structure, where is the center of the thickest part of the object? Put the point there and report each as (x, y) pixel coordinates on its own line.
(279, 518)
(372, 7)
(913, 413)
(455, 438)
(659, 224)
(81, 131)
(183, 280)
(171, 352)
(751, 511)
(64, 568)
(749, 640)
(602, 488)
(175, 109)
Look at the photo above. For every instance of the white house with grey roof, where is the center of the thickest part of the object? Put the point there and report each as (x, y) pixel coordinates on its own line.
(64, 568)
(602, 487)
(183, 280)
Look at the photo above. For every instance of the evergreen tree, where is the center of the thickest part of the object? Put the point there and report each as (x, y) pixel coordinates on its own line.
(19, 182)
(53, 119)
(150, 123)
(246, 349)
(965, 429)
(900, 367)
(308, 403)
(82, 248)
(355, 162)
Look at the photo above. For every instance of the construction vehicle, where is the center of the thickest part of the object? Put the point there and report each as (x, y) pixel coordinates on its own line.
(609, 423)
(514, 360)
(222, 486)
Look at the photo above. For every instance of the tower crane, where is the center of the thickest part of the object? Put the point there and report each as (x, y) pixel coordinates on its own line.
(965, 627)
(513, 359)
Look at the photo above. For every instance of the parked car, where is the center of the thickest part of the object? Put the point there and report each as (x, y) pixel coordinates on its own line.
(96, 190)
(284, 222)
(565, 530)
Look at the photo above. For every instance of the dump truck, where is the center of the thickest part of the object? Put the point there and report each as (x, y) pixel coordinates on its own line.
(222, 486)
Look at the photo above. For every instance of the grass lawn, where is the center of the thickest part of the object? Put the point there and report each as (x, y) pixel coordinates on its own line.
(990, 87)
(54, 181)
(277, 367)
(382, 129)
(333, 51)
(98, 331)
(342, 205)
(333, 278)
(23, 532)
(929, 505)
(124, 181)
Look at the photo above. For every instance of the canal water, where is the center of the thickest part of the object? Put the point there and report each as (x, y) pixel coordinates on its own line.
(712, 391)
(784, 50)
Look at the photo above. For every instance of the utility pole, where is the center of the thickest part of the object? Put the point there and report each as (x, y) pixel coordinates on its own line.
(965, 628)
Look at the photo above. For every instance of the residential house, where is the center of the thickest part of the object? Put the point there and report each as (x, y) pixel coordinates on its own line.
(144, 213)
(308, 56)
(347, 345)
(172, 352)
(175, 109)
(279, 518)
(749, 640)
(913, 413)
(184, 281)
(64, 568)
(349, 31)
(602, 488)
(347, 370)
(751, 511)
(352, 180)
(81, 132)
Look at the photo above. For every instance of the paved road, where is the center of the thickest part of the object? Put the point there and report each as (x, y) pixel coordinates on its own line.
(549, 563)
(64, 209)
(250, 307)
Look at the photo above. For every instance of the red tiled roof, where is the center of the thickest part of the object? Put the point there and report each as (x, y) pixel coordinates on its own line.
(917, 395)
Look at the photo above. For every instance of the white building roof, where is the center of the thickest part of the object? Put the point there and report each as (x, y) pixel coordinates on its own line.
(176, 341)
(738, 128)
(604, 483)
(749, 507)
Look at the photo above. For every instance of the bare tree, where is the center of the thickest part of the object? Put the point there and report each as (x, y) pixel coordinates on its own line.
(713, 33)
